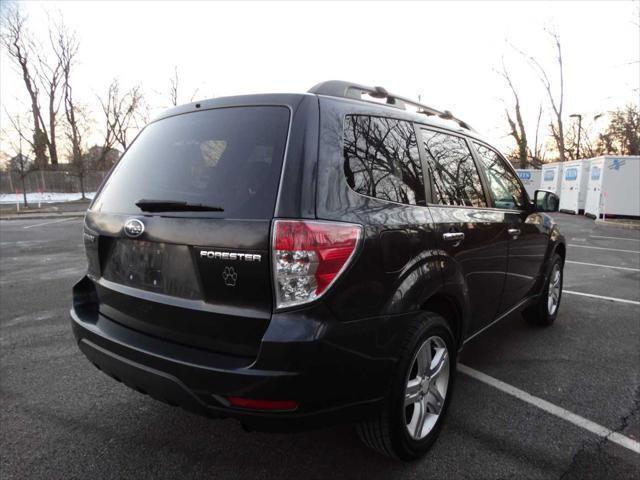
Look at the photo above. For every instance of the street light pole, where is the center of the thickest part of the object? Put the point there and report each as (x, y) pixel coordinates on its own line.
(579, 116)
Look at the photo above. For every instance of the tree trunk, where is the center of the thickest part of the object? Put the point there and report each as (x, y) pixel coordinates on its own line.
(11, 189)
(82, 185)
(560, 140)
(39, 137)
(53, 151)
(40, 147)
(24, 190)
(522, 154)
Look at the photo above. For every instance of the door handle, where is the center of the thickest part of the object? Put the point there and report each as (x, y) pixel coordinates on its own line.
(514, 232)
(453, 236)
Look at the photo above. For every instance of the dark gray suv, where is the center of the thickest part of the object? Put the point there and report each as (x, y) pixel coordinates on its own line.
(296, 260)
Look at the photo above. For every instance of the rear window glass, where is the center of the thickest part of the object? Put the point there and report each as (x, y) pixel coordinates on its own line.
(382, 160)
(229, 158)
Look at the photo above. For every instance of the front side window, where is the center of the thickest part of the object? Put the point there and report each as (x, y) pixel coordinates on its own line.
(504, 185)
(381, 159)
(455, 177)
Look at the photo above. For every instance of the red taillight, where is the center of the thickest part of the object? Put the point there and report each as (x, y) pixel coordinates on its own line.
(255, 404)
(308, 257)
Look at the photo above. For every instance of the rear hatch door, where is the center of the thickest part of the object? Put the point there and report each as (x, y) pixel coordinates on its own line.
(178, 238)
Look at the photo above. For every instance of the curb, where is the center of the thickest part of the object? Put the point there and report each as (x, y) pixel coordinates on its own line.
(41, 216)
(626, 225)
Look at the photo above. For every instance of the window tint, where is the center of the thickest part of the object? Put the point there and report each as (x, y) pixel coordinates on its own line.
(382, 160)
(504, 185)
(227, 157)
(455, 177)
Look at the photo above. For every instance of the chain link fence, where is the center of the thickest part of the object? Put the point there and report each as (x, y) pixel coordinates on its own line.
(50, 181)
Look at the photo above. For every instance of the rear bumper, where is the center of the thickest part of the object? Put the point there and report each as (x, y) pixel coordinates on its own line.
(336, 372)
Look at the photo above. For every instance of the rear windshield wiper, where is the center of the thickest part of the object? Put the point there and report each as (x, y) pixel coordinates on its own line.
(175, 206)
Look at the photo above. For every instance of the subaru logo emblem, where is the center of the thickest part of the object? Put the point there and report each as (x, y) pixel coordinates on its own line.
(133, 228)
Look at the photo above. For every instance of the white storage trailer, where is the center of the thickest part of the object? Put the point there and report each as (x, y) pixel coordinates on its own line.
(573, 192)
(551, 177)
(614, 187)
(530, 179)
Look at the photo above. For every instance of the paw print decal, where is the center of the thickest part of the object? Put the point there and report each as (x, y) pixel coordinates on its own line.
(229, 276)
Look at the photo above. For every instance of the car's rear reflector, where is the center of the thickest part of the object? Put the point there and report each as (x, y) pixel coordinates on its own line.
(308, 256)
(255, 404)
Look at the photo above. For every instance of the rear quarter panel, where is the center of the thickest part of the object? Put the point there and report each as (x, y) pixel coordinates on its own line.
(398, 266)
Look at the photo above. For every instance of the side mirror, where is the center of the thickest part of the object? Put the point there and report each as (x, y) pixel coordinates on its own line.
(546, 201)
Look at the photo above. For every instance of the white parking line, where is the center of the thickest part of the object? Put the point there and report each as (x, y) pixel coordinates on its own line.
(603, 248)
(600, 297)
(603, 266)
(559, 412)
(616, 238)
(49, 223)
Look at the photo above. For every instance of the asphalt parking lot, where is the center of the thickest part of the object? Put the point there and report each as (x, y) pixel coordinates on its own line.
(61, 418)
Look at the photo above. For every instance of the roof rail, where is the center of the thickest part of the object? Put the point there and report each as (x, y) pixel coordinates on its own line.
(339, 88)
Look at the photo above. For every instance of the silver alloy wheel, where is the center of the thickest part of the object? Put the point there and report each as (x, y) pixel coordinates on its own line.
(554, 289)
(426, 387)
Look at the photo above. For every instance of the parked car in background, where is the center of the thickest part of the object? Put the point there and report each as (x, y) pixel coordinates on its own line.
(295, 260)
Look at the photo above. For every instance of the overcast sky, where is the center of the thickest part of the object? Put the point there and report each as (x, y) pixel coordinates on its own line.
(446, 52)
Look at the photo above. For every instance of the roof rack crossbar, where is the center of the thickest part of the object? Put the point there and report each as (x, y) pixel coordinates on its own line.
(339, 88)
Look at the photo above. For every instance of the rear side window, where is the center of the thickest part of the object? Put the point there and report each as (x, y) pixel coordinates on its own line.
(381, 159)
(227, 157)
(503, 183)
(455, 177)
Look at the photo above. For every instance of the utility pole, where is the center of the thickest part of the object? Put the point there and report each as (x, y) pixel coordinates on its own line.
(579, 117)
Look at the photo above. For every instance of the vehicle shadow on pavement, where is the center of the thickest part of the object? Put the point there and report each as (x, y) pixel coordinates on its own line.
(125, 435)
(109, 431)
(106, 430)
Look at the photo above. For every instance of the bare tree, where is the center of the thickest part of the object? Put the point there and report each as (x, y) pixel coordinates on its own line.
(67, 49)
(518, 131)
(51, 78)
(109, 137)
(174, 89)
(123, 112)
(556, 100)
(622, 135)
(19, 163)
(537, 155)
(42, 76)
(579, 132)
(19, 47)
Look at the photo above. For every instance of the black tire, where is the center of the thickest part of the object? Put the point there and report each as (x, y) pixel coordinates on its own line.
(387, 432)
(538, 313)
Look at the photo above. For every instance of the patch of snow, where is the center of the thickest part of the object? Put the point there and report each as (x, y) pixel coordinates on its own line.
(44, 197)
